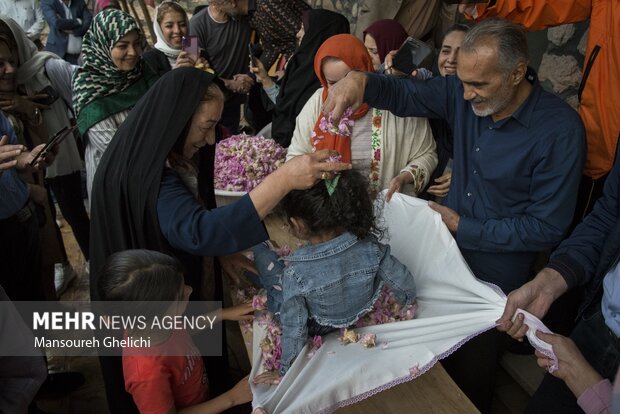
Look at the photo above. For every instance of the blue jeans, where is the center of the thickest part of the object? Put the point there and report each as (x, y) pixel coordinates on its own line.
(593, 340)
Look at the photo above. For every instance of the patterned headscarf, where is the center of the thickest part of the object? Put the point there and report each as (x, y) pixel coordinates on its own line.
(98, 76)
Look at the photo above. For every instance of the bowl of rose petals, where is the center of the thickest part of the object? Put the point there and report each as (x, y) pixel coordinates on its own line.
(241, 163)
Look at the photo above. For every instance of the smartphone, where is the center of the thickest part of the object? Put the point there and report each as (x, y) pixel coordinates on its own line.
(56, 139)
(251, 55)
(190, 45)
(51, 93)
(413, 53)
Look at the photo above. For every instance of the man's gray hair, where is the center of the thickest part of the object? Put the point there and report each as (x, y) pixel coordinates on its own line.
(509, 38)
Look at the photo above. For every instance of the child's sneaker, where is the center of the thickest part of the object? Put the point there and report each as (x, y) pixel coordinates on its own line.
(63, 275)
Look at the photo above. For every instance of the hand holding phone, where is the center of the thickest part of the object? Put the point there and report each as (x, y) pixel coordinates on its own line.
(412, 54)
(191, 47)
(55, 140)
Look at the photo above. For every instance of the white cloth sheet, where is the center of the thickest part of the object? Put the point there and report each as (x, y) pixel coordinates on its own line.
(453, 307)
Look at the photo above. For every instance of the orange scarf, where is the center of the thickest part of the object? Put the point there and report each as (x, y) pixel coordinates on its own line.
(351, 51)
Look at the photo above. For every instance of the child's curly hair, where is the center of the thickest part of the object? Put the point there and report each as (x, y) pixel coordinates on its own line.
(350, 207)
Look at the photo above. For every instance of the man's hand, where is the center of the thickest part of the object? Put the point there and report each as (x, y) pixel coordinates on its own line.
(240, 83)
(347, 92)
(9, 154)
(442, 187)
(450, 217)
(243, 83)
(536, 296)
(573, 368)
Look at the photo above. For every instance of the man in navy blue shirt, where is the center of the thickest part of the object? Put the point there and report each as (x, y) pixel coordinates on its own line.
(518, 157)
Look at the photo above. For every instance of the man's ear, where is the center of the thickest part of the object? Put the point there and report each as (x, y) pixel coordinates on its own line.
(519, 73)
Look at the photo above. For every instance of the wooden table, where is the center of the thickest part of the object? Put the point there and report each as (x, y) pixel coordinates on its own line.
(433, 392)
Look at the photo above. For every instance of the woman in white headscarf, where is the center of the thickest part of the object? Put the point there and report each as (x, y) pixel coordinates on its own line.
(171, 26)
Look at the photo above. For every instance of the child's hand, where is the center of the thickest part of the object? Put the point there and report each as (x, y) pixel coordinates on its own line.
(269, 377)
(241, 393)
(243, 312)
(234, 265)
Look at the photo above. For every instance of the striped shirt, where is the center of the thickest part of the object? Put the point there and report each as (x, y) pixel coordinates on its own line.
(98, 138)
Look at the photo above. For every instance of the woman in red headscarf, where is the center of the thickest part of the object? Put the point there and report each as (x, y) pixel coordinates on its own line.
(394, 153)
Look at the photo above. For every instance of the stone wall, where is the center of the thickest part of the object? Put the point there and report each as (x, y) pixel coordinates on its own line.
(562, 62)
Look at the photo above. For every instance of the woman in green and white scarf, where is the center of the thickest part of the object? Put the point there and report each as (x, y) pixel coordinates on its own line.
(109, 83)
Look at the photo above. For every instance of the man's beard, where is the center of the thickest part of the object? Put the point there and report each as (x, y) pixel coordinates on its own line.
(498, 104)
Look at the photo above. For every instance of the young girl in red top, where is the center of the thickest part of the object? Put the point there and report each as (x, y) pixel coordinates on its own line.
(173, 380)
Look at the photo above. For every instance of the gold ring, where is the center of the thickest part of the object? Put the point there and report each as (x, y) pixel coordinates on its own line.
(324, 175)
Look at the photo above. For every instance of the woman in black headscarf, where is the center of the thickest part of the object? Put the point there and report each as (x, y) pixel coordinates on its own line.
(299, 81)
(154, 189)
(154, 186)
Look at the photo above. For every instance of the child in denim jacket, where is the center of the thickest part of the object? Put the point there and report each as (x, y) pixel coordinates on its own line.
(335, 279)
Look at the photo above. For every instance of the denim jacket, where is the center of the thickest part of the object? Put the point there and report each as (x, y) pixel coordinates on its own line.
(331, 284)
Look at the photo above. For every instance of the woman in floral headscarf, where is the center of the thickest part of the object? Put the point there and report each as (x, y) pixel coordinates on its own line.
(109, 83)
(395, 153)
